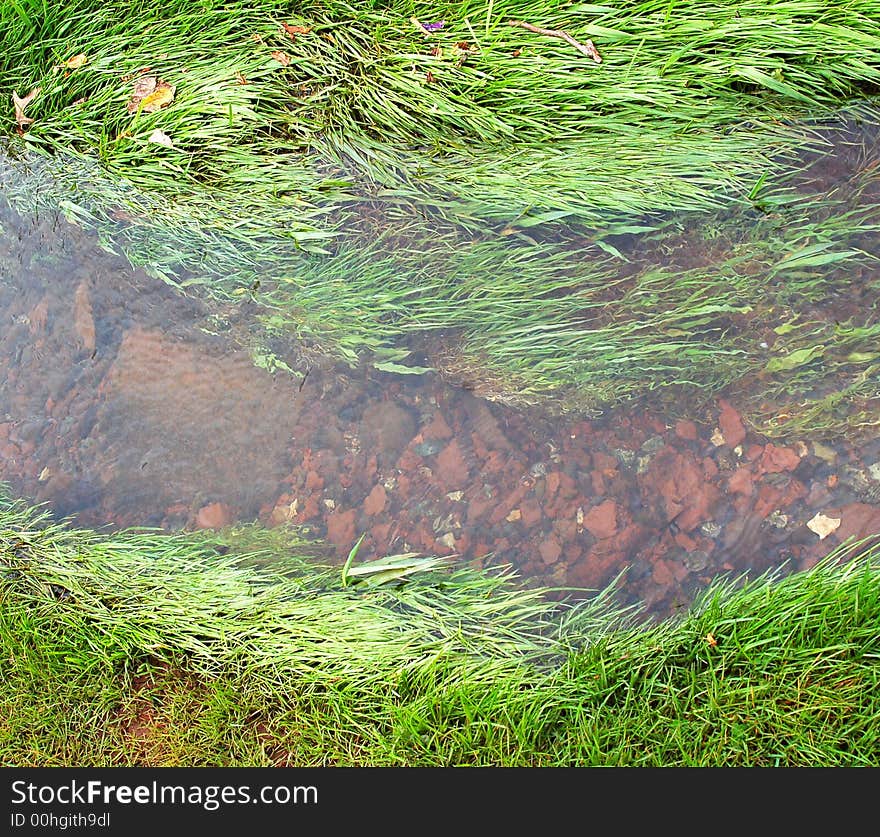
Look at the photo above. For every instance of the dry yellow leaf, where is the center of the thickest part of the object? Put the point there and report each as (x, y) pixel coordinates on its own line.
(823, 525)
(20, 105)
(76, 62)
(281, 57)
(711, 641)
(161, 97)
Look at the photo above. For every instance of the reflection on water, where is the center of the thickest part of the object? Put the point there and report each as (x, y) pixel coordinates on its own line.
(124, 403)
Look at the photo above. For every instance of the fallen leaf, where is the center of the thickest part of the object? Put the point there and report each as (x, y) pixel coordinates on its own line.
(717, 438)
(429, 77)
(161, 97)
(292, 30)
(257, 38)
(711, 641)
(515, 515)
(240, 78)
(160, 138)
(76, 62)
(282, 58)
(142, 87)
(20, 105)
(823, 526)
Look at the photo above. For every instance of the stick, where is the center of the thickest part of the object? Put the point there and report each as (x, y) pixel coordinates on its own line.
(587, 48)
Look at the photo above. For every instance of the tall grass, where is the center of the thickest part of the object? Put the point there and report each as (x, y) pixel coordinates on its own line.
(139, 647)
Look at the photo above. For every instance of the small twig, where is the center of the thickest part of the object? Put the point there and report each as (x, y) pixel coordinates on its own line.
(587, 48)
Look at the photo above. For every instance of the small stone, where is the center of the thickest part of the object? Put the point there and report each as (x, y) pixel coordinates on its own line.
(329, 503)
(514, 515)
(825, 453)
(717, 437)
(448, 540)
(213, 516)
(455, 496)
(730, 425)
(375, 501)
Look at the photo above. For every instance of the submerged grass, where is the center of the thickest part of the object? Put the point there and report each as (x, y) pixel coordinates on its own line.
(143, 648)
(383, 184)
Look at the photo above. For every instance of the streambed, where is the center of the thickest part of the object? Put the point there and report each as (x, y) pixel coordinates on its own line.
(123, 403)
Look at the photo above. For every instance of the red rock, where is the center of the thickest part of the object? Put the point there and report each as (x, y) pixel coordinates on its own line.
(662, 573)
(776, 459)
(566, 529)
(375, 501)
(478, 506)
(213, 516)
(531, 513)
(510, 502)
(452, 468)
(857, 520)
(741, 482)
(686, 430)
(379, 535)
(551, 485)
(409, 460)
(573, 551)
(309, 510)
(601, 521)
(688, 498)
(598, 482)
(603, 462)
(340, 527)
(754, 452)
(710, 469)
(686, 542)
(731, 425)
(550, 550)
(438, 428)
(314, 481)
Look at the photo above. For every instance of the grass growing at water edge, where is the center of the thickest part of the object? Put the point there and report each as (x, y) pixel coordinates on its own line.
(141, 648)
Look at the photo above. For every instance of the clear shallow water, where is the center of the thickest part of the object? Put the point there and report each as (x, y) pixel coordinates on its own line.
(124, 403)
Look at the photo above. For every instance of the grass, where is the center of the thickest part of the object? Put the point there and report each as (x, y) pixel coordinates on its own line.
(487, 207)
(144, 648)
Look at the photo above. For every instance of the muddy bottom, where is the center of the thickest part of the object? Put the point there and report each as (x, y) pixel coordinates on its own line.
(123, 403)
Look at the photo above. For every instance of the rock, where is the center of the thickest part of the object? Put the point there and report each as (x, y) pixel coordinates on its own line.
(438, 428)
(452, 469)
(83, 322)
(731, 425)
(375, 501)
(776, 459)
(550, 550)
(686, 430)
(340, 528)
(687, 497)
(601, 521)
(857, 520)
(213, 516)
(531, 513)
(741, 482)
(386, 428)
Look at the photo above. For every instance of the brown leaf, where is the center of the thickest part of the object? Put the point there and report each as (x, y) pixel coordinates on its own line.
(240, 78)
(141, 88)
(149, 94)
(20, 105)
(76, 62)
(292, 30)
(282, 58)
